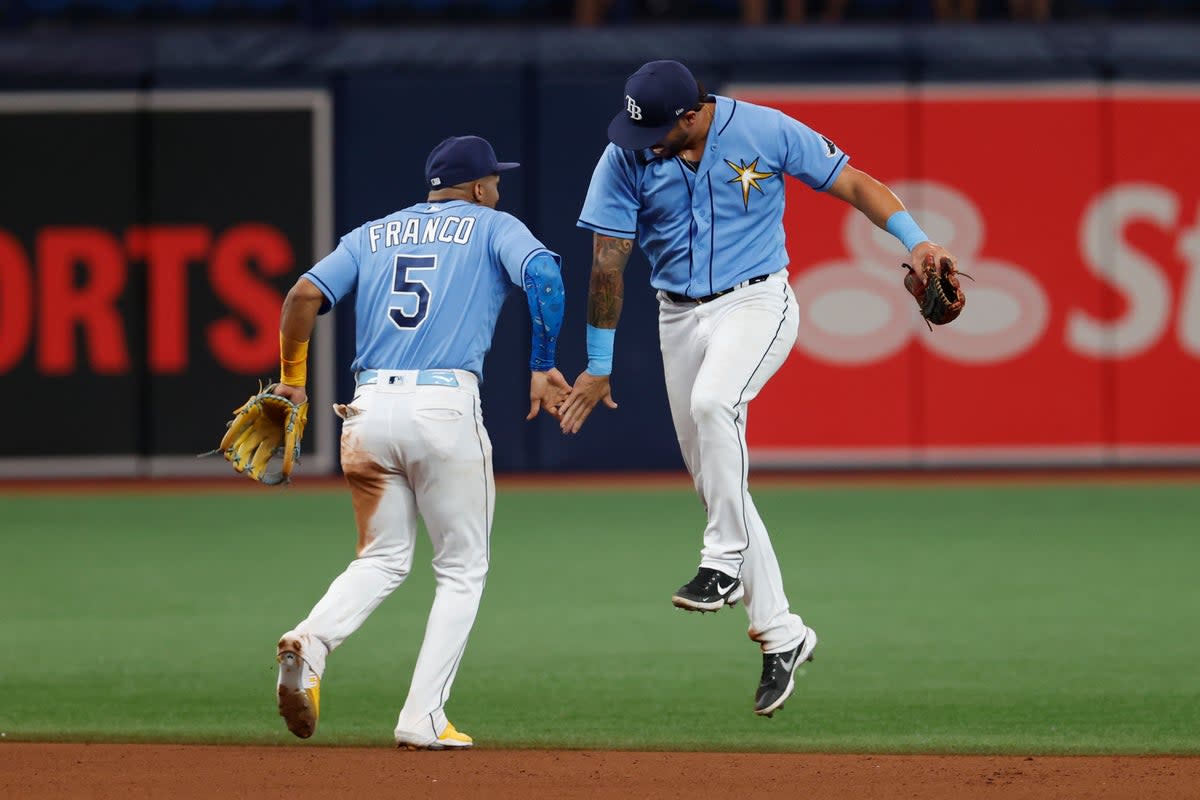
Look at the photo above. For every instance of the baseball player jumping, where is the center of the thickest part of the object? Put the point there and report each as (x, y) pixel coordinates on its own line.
(697, 180)
(429, 282)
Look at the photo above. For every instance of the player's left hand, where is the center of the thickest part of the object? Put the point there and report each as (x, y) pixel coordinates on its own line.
(547, 391)
(589, 390)
(926, 249)
(294, 393)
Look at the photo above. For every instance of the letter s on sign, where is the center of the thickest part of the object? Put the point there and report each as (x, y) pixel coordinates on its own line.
(1138, 279)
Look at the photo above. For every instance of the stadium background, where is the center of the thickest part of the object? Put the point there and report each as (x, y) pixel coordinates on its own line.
(166, 182)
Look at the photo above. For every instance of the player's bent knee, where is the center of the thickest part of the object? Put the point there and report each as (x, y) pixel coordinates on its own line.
(396, 565)
(465, 578)
(708, 407)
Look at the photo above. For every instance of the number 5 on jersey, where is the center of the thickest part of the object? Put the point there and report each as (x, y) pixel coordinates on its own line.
(404, 284)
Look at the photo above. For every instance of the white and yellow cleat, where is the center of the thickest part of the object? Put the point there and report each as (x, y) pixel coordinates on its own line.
(450, 739)
(299, 689)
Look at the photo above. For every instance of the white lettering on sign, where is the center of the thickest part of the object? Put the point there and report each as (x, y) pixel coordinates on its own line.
(1131, 274)
(1189, 300)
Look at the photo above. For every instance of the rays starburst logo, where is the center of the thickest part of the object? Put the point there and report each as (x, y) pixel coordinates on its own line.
(748, 176)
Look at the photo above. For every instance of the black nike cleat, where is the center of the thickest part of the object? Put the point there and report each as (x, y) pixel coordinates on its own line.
(779, 675)
(710, 590)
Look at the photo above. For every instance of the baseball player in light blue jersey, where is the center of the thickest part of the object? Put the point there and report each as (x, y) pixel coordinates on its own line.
(428, 283)
(698, 181)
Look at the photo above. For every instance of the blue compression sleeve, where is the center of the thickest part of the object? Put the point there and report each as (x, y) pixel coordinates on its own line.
(544, 290)
(905, 228)
(600, 349)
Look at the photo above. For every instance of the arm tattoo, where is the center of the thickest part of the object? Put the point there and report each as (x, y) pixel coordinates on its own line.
(607, 290)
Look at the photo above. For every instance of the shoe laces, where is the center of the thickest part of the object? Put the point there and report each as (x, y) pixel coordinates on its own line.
(705, 581)
(773, 664)
(708, 580)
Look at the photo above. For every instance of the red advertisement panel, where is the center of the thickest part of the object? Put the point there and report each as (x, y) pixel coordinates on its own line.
(1150, 242)
(1080, 341)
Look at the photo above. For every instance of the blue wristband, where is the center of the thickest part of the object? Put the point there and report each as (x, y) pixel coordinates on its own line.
(905, 228)
(600, 349)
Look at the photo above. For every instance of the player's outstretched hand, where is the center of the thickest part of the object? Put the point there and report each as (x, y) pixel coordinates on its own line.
(547, 391)
(589, 390)
(926, 249)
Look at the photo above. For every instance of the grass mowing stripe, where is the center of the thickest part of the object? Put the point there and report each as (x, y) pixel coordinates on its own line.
(968, 619)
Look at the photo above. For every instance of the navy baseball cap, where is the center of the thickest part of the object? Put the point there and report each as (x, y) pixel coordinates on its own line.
(461, 159)
(656, 96)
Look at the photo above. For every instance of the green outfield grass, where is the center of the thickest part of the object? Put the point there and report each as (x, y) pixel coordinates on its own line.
(1056, 619)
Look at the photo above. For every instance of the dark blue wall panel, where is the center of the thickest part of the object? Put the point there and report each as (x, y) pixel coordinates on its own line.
(640, 431)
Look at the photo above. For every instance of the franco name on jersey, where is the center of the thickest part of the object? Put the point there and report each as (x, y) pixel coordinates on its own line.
(449, 229)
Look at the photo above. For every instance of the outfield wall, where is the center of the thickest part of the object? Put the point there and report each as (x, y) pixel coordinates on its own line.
(164, 188)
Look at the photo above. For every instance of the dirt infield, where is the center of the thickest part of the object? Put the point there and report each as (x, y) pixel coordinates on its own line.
(100, 771)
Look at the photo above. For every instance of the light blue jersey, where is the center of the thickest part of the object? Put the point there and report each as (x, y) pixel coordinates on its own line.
(707, 229)
(430, 281)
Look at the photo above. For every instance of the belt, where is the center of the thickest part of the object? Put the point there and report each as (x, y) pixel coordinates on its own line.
(417, 377)
(675, 297)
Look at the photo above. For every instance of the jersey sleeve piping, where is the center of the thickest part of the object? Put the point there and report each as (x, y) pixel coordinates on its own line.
(538, 251)
(622, 234)
(833, 173)
(325, 290)
(535, 251)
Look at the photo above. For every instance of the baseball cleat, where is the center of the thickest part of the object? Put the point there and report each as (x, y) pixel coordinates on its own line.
(710, 590)
(779, 675)
(450, 739)
(299, 689)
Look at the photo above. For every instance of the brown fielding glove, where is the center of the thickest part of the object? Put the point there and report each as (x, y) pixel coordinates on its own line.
(940, 297)
(265, 425)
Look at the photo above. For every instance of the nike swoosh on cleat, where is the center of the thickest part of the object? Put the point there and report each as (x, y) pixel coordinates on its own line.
(723, 589)
(788, 664)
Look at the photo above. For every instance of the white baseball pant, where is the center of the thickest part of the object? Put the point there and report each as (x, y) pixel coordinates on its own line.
(717, 356)
(410, 449)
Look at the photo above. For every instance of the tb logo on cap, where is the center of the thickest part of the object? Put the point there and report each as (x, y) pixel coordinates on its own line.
(635, 111)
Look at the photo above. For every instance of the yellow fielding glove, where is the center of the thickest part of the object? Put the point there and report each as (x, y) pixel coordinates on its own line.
(265, 424)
